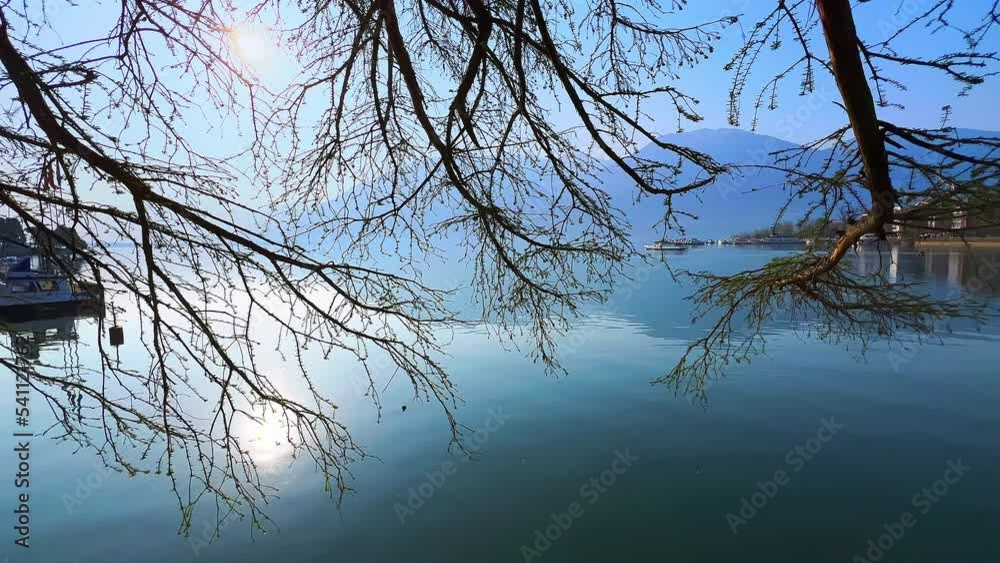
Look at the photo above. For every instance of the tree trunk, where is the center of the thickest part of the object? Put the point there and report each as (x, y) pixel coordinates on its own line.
(845, 60)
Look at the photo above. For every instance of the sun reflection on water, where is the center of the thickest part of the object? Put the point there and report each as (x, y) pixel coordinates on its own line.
(267, 441)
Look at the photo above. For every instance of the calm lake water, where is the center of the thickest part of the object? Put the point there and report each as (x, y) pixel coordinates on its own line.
(900, 415)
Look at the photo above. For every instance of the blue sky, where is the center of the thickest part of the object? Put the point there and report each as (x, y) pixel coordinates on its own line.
(797, 118)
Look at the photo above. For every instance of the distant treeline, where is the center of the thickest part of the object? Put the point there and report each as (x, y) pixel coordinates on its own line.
(817, 228)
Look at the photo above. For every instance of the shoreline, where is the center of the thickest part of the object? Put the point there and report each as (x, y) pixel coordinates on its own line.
(992, 242)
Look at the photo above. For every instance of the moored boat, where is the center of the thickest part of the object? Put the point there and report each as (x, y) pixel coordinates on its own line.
(664, 246)
(28, 294)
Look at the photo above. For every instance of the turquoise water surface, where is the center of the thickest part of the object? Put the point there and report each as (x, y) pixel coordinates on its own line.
(806, 454)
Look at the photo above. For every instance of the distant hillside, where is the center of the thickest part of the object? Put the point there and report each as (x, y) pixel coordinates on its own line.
(733, 204)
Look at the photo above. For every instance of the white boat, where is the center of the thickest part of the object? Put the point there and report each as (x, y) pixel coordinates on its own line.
(665, 247)
(28, 294)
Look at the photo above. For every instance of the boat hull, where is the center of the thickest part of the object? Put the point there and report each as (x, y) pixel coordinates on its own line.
(22, 312)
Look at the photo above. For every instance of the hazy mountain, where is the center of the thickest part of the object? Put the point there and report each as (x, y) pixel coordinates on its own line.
(734, 204)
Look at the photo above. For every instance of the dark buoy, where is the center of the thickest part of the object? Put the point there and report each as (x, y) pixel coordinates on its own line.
(117, 335)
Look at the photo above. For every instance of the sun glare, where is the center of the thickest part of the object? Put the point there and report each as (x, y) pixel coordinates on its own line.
(254, 46)
(267, 440)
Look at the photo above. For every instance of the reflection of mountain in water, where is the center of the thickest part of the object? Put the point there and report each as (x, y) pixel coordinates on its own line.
(653, 302)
